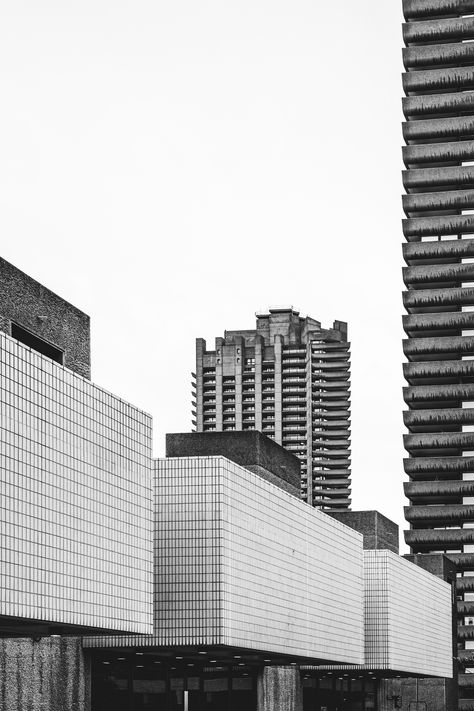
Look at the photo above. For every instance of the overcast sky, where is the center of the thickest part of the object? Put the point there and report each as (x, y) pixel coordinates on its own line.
(171, 167)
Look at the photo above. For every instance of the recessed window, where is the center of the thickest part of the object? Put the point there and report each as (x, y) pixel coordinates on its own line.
(38, 344)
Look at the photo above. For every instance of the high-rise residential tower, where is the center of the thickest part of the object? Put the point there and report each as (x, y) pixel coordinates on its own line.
(439, 277)
(290, 379)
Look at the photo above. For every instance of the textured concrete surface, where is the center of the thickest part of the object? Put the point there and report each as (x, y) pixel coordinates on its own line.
(279, 689)
(379, 532)
(35, 308)
(405, 694)
(251, 450)
(50, 674)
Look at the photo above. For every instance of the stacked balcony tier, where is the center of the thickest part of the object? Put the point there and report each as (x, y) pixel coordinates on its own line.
(330, 393)
(439, 296)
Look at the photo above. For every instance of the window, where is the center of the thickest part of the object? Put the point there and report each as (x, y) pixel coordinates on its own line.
(38, 344)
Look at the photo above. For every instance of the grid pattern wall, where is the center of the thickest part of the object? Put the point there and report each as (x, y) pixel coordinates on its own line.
(376, 610)
(240, 562)
(408, 617)
(188, 554)
(292, 576)
(75, 498)
(420, 620)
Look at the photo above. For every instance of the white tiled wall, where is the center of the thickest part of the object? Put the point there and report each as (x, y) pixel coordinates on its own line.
(240, 562)
(75, 498)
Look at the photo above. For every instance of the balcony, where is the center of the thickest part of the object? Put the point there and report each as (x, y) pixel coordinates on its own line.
(442, 467)
(446, 514)
(437, 441)
(426, 298)
(438, 370)
(449, 394)
(437, 491)
(439, 30)
(427, 539)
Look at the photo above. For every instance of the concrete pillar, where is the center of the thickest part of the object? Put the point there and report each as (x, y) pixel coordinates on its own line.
(278, 346)
(259, 352)
(279, 689)
(50, 673)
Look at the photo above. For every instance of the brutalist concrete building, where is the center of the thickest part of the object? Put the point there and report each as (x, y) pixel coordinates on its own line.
(290, 379)
(249, 582)
(439, 300)
(264, 602)
(75, 498)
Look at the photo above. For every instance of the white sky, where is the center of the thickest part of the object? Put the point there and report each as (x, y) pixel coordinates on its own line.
(172, 167)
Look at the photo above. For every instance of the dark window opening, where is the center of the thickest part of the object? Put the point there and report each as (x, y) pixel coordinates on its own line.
(38, 344)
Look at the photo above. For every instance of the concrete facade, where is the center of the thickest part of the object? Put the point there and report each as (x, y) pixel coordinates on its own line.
(44, 674)
(30, 305)
(379, 532)
(251, 450)
(439, 298)
(290, 379)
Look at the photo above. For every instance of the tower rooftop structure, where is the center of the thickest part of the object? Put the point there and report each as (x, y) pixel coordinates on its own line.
(290, 379)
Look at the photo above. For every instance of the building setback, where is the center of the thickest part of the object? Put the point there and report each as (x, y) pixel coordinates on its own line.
(290, 379)
(439, 300)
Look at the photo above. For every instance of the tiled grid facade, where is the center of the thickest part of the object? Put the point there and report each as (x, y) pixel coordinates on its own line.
(240, 562)
(75, 498)
(407, 617)
(416, 606)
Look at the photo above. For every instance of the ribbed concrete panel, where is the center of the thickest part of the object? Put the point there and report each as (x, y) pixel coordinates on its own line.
(439, 253)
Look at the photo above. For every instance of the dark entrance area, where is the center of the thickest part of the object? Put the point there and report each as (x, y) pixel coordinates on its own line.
(141, 682)
(333, 693)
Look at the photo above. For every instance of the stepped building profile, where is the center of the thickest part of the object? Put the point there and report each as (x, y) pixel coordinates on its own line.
(290, 379)
(439, 300)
